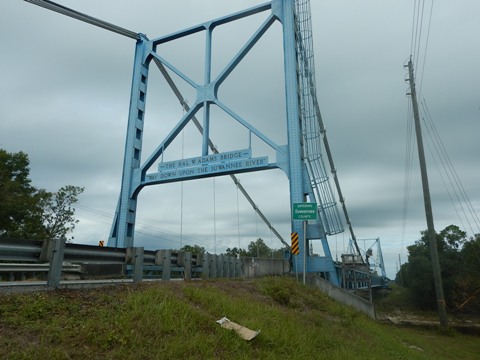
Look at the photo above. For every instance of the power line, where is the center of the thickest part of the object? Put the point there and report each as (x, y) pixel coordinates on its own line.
(142, 228)
(435, 146)
(419, 31)
(426, 48)
(416, 38)
(449, 169)
(413, 28)
(150, 230)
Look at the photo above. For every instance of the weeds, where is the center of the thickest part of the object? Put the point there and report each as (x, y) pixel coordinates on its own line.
(281, 290)
(176, 320)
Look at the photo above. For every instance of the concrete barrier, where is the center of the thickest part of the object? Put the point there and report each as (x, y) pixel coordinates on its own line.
(344, 296)
(258, 267)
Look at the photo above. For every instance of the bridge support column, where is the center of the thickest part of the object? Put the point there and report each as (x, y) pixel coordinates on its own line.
(295, 169)
(122, 232)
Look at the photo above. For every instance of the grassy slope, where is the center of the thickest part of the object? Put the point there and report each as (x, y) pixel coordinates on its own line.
(176, 320)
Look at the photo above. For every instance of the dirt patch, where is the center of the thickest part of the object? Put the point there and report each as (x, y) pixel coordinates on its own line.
(468, 326)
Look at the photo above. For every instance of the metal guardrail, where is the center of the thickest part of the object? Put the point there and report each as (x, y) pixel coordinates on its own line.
(23, 271)
(53, 256)
(26, 250)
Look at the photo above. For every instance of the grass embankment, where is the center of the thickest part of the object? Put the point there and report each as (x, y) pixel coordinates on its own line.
(177, 320)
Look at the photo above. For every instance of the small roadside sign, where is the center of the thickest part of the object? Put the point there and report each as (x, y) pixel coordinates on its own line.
(295, 246)
(101, 243)
(304, 211)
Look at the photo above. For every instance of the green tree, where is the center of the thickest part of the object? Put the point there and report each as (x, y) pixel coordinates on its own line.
(471, 256)
(453, 237)
(468, 286)
(280, 253)
(20, 210)
(28, 212)
(235, 252)
(258, 248)
(459, 269)
(254, 249)
(58, 212)
(195, 249)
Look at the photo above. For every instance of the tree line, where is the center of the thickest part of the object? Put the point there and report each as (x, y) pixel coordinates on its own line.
(459, 259)
(256, 248)
(27, 212)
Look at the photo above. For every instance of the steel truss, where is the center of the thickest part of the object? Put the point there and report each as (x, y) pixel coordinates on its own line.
(299, 158)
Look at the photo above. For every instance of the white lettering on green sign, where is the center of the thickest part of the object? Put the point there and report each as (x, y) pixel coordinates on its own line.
(304, 211)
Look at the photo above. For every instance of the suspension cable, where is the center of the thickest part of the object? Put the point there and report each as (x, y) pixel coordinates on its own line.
(50, 5)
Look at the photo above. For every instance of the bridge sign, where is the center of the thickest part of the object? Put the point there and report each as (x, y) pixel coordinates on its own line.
(206, 160)
(304, 211)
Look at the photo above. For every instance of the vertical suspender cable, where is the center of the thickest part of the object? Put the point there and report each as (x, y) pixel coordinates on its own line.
(197, 124)
(238, 219)
(214, 219)
(181, 195)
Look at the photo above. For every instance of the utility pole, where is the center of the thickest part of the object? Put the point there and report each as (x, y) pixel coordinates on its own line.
(431, 234)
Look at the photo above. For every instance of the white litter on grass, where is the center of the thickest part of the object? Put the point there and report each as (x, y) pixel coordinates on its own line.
(245, 333)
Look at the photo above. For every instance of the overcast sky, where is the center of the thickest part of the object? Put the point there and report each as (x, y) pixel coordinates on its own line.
(65, 88)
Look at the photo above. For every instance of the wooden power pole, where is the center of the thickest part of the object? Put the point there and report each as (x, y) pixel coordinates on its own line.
(431, 234)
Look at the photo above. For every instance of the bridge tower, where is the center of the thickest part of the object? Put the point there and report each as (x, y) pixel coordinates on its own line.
(300, 158)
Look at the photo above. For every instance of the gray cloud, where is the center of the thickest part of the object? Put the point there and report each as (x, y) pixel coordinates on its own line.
(65, 90)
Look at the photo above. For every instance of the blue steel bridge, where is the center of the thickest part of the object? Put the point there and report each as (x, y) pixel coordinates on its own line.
(304, 157)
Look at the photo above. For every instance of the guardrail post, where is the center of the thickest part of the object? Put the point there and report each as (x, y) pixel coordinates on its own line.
(219, 267)
(213, 266)
(187, 266)
(137, 264)
(134, 256)
(56, 252)
(197, 264)
(238, 268)
(226, 266)
(231, 266)
(46, 251)
(164, 257)
(181, 262)
(206, 265)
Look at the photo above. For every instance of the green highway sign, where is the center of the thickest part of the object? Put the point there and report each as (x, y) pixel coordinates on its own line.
(304, 211)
